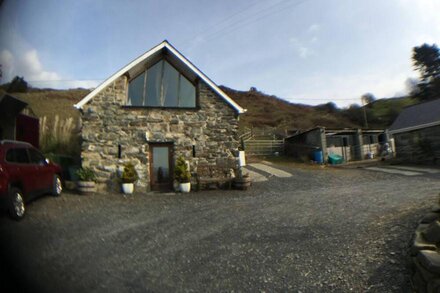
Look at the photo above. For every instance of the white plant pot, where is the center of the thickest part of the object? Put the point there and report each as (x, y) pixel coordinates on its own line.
(127, 188)
(185, 187)
(241, 158)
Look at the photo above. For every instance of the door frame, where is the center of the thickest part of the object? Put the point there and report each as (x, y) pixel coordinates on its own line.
(167, 186)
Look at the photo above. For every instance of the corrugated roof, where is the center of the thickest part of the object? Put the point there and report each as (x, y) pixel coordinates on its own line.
(417, 117)
(151, 53)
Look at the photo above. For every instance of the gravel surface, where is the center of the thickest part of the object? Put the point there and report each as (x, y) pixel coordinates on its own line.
(326, 230)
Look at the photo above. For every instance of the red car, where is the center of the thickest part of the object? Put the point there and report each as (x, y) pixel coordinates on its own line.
(25, 174)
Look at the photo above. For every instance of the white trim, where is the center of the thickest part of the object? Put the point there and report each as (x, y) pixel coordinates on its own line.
(411, 128)
(159, 47)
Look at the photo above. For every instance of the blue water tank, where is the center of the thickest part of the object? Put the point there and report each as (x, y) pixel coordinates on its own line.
(318, 157)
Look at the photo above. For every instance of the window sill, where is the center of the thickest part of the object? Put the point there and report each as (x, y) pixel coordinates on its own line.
(160, 108)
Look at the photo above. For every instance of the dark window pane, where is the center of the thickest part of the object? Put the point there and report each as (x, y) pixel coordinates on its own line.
(36, 157)
(22, 156)
(154, 76)
(10, 156)
(170, 84)
(136, 90)
(17, 156)
(187, 93)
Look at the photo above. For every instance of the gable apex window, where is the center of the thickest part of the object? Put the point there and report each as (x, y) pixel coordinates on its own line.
(161, 85)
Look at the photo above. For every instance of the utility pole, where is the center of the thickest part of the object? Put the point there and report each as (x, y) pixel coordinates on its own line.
(365, 112)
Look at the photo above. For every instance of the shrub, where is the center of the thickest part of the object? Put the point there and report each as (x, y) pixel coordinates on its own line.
(181, 171)
(129, 175)
(86, 174)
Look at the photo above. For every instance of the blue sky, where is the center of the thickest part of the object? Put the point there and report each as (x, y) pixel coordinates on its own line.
(304, 51)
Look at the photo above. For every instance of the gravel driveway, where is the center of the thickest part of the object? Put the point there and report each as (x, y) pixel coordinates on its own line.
(319, 230)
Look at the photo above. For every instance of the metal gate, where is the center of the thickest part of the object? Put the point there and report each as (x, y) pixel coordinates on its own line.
(264, 147)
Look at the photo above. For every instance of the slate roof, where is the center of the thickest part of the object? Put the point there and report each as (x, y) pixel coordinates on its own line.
(417, 117)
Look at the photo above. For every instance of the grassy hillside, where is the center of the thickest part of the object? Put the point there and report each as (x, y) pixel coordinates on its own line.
(53, 102)
(266, 110)
(383, 112)
(263, 111)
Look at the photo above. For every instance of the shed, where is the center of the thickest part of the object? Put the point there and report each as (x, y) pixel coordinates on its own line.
(350, 143)
(16, 125)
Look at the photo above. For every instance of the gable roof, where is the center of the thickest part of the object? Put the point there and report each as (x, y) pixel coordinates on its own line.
(11, 105)
(150, 54)
(417, 117)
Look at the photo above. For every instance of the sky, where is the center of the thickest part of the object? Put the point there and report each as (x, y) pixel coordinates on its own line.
(303, 51)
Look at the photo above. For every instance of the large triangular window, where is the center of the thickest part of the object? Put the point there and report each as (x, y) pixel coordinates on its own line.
(161, 85)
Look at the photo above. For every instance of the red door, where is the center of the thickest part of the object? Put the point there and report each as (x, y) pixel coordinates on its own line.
(27, 129)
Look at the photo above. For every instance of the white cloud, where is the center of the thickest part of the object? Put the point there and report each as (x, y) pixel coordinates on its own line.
(314, 28)
(7, 62)
(30, 67)
(27, 65)
(33, 70)
(302, 50)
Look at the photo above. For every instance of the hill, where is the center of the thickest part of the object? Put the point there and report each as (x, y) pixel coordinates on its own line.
(270, 111)
(263, 110)
(381, 113)
(48, 102)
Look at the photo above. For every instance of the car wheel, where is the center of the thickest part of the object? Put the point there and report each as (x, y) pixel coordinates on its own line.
(17, 209)
(57, 187)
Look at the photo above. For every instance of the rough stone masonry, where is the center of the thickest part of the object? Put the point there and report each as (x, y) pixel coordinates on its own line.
(211, 129)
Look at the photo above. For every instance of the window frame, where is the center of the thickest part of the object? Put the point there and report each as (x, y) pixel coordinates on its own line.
(144, 71)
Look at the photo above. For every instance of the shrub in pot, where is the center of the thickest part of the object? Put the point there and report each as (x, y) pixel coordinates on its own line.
(128, 178)
(86, 181)
(182, 175)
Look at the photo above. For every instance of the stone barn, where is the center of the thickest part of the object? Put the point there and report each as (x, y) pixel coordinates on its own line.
(155, 109)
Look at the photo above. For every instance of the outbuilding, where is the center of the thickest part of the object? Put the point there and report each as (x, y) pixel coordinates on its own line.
(351, 144)
(416, 133)
(15, 124)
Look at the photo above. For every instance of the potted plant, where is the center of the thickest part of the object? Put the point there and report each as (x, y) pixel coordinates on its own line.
(182, 175)
(86, 180)
(242, 181)
(128, 178)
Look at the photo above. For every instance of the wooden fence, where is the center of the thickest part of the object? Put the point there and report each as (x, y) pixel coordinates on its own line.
(264, 147)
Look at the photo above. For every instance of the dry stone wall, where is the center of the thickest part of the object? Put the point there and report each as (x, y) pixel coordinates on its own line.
(107, 123)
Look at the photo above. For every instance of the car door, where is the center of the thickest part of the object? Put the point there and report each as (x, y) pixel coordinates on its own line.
(43, 174)
(21, 171)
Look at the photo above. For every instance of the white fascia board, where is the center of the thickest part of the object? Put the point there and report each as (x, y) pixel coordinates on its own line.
(414, 127)
(234, 105)
(159, 47)
(115, 76)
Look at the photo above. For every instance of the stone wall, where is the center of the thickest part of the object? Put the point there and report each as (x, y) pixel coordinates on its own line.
(107, 123)
(425, 253)
(421, 145)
